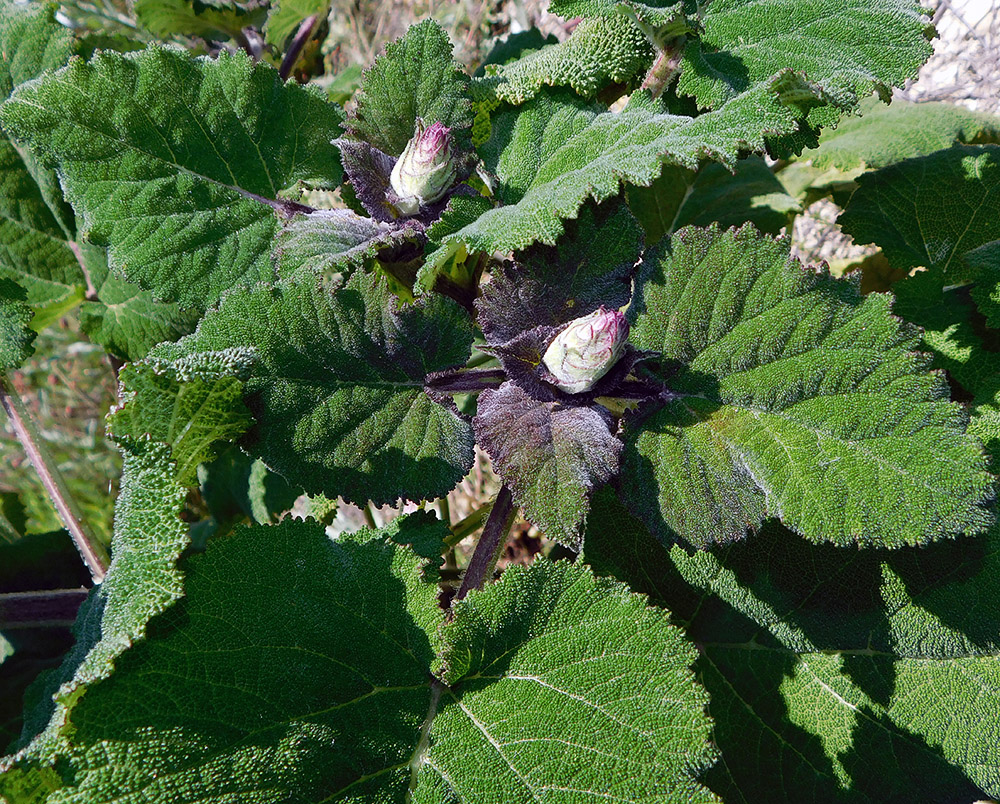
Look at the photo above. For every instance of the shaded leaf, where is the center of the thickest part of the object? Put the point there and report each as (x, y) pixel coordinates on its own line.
(235, 485)
(285, 16)
(168, 18)
(551, 455)
(671, 15)
(194, 151)
(798, 400)
(16, 335)
(337, 385)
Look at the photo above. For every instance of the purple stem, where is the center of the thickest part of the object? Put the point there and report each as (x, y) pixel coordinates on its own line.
(487, 552)
(302, 35)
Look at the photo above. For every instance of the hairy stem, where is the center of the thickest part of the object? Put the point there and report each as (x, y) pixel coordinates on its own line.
(294, 51)
(664, 70)
(465, 381)
(91, 550)
(490, 543)
(46, 608)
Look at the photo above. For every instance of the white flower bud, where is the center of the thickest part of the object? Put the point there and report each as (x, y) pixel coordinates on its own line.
(425, 170)
(586, 349)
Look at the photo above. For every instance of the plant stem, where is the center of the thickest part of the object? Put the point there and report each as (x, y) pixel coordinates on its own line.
(369, 516)
(664, 69)
(302, 35)
(46, 608)
(445, 508)
(91, 550)
(490, 543)
(469, 525)
(465, 381)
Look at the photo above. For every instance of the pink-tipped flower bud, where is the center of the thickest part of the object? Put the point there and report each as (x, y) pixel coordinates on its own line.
(426, 169)
(585, 350)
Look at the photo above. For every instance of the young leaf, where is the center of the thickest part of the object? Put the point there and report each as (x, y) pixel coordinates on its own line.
(416, 77)
(512, 657)
(798, 400)
(327, 241)
(674, 16)
(549, 454)
(859, 676)
(600, 52)
(940, 212)
(839, 51)
(35, 224)
(16, 335)
(196, 152)
(592, 266)
(337, 385)
(194, 416)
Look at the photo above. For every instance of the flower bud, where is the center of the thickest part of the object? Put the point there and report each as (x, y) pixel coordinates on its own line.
(425, 170)
(586, 349)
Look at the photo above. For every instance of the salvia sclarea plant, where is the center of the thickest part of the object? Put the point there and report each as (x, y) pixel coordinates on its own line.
(783, 567)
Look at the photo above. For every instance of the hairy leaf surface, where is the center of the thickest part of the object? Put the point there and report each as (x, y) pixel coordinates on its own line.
(415, 77)
(35, 224)
(600, 51)
(520, 723)
(168, 18)
(16, 335)
(179, 175)
(858, 676)
(942, 212)
(840, 51)
(798, 400)
(550, 455)
(669, 14)
(337, 385)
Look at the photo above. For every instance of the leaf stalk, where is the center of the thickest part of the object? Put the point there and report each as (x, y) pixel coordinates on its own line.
(494, 536)
(91, 550)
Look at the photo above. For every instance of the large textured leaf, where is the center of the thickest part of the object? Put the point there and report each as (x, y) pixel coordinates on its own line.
(295, 668)
(298, 668)
(840, 51)
(168, 18)
(600, 52)
(798, 400)
(35, 224)
(549, 454)
(520, 723)
(415, 77)
(337, 385)
(179, 174)
(856, 676)
(883, 135)
(942, 212)
(16, 335)
(564, 152)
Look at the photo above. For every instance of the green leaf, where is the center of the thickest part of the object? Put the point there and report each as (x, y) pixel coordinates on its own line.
(600, 52)
(125, 320)
(415, 77)
(858, 676)
(750, 194)
(337, 385)
(35, 224)
(285, 16)
(221, 21)
(941, 212)
(327, 241)
(839, 51)
(317, 654)
(797, 399)
(551, 455)
(142, 582)
(884, 135)
(195, 151)
(191, 415)
(669, 15)
(563, 153)
(16, 335)
(520, 722)
(235, 485)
